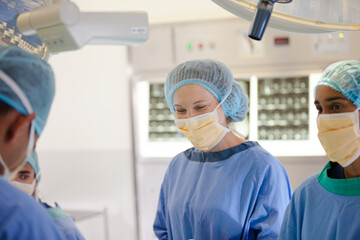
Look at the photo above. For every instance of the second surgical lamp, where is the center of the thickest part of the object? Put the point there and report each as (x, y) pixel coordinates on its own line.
(62, 27)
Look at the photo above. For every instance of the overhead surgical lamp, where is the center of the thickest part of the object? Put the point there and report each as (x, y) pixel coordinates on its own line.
(62, 27)
(301, 16)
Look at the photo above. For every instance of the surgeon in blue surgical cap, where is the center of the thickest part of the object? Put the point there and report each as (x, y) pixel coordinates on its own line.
(27, 179)
(327, 204)
(225, 187)
(27, 89)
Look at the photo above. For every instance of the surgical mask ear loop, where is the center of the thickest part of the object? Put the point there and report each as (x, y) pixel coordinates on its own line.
(235, 131)
(28, 152)
(222, 101)
(25, 101)
(39, 196)
(357, 127)
(231, 128)
(6, 173)
(36, 191)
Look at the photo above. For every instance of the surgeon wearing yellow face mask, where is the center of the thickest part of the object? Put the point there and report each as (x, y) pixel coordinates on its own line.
(225, 187)
(327, 205)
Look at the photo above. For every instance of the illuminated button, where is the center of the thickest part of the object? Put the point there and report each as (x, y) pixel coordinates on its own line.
(201, 46)
(281, 40)
(341, 35)
(189, 46)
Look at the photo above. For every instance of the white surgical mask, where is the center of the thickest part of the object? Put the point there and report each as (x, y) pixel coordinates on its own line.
(25, 101)
(26, 187)
(339, 135)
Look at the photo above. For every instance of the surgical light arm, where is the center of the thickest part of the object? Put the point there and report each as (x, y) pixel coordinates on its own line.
(62, 27)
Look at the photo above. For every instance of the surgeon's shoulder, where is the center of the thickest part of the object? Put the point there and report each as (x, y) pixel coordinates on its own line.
(14, 200)
(308, 189)
(308, 185)
(21, 215)
(262, 157)
(180, 157)
(57, 212)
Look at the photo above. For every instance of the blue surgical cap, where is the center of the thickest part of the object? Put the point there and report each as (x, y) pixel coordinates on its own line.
(35, 78)
(33, 161)
(215, 77)
(344, 77)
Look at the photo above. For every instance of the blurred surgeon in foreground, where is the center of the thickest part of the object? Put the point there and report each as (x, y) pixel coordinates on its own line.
(224, 187)
(27, 179)
(27, 89)
(327, 204)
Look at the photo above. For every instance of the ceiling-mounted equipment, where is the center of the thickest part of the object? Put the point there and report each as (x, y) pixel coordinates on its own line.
(261, 17)
(62, 27)
(302, 16)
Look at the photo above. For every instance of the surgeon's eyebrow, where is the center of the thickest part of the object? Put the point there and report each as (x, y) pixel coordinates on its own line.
(333, 99)
(201, 101)
(24, 172)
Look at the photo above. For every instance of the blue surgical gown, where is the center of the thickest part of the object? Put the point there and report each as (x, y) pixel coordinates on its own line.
(64, 222)
(238, 193)
(324, 208)
(21, 217)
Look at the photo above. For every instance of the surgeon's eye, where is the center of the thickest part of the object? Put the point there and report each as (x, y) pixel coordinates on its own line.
(23, 177)
(180, 110)
(336, 107)
(201, 107)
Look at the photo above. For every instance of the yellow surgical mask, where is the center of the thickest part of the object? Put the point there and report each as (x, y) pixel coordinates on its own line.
(203, 131)
(339, 135)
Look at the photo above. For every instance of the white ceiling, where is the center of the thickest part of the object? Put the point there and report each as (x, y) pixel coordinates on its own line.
(160, 11)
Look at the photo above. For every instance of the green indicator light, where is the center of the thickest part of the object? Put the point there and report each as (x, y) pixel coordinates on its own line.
(189, 46)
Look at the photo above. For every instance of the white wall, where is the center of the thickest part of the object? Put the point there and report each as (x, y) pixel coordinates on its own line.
(91, 107)
(85, 151)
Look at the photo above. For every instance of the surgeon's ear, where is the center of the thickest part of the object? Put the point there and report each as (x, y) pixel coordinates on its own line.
(19, 126)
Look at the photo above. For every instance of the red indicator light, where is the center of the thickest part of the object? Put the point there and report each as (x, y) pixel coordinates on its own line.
(281, 41)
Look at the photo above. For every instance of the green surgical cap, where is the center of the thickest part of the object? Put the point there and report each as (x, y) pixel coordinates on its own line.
(35, 78)
(215, 77)
(344, 77)
(33, 161)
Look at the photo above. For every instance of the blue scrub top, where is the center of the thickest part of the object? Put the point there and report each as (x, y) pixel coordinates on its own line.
(21, 217)
(324, 206)
(238, 193)
(64, 222)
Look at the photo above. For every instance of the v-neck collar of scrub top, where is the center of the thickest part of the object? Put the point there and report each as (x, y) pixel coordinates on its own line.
(345, 187)
(196, 155)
